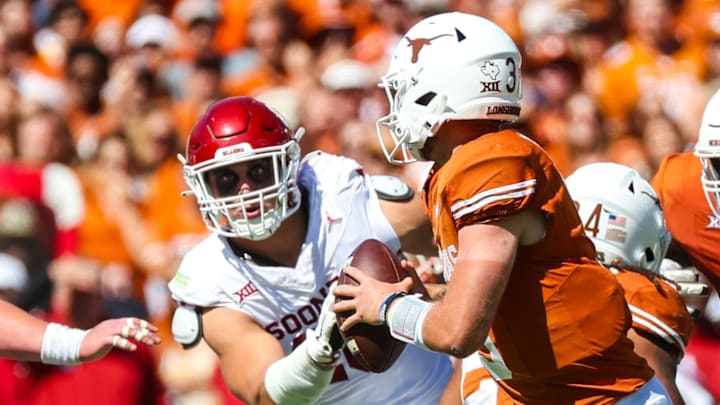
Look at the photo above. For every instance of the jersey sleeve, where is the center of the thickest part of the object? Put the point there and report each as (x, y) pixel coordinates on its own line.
(193, 284)
(488, 189)
(657, 310)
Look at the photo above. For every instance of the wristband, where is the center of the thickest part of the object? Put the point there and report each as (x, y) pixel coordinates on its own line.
(61, 344)
(382, 311)
(406, 318)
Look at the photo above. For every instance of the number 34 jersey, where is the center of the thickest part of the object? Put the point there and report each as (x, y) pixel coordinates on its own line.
(559, 335)
(343, 210)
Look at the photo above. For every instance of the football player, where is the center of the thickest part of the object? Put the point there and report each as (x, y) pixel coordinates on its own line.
(688, 185)
(621, 214)
(524, 289)
(258, 289)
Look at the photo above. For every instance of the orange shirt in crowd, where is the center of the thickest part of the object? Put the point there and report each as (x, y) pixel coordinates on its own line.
(97, 11)
(632, 66)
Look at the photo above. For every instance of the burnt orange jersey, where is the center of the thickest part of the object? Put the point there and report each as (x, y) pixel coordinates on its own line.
(657, 309)
(687, 213)
(559, 335)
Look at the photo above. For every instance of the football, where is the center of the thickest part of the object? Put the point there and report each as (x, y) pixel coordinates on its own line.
(372, 345)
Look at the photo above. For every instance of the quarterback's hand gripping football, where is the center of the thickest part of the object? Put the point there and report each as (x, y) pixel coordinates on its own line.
(365, 299)
(325, 342)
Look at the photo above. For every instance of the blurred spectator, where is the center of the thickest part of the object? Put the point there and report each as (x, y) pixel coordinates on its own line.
(40, 173)
(66, 27)
(16, 23)
(201, 87)
(153, 39)
(197, 20)
(86, 72)
(112, 232)
(546, 96)
(348, 82)
(9, 117)
(270, 30)
(661, 137)
(651, 57)
(712, 78)
(123, 11)
(630, 151)
(171, 223)
(585, 128)
(28, 235)
(374, 43)
(358, 140)
(13, 277)
(132, 90)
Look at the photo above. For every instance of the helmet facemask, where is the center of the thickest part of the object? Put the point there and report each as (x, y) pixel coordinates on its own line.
(707, 149)
(228, 215)
(408, 134)
(711, 182)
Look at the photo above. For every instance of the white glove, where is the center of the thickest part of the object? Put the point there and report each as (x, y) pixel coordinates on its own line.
(325, 342)
(687, 281)
(686, 278)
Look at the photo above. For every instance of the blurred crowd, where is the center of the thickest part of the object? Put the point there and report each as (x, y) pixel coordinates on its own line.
(97, 99)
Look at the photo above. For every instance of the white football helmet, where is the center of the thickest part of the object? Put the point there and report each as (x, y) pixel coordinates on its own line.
(621, 214)
(707, 149)
(449, 66)
(243, 130)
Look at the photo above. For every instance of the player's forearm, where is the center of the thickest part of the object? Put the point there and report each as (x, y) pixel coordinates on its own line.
(459, 323)
(22, 336)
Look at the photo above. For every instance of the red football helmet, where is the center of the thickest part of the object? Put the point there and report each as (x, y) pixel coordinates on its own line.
(242, 130)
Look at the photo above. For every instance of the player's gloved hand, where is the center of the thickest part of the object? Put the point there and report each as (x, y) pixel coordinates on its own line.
(686, 278)
(325, 342)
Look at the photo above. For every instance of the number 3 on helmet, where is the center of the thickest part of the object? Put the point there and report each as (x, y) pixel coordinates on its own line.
(242, 130)
(450, 66)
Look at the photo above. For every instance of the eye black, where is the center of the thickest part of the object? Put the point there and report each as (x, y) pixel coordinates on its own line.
(259, 172)
(226, 182)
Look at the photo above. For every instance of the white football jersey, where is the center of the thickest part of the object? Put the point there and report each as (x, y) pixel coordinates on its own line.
(343, 210)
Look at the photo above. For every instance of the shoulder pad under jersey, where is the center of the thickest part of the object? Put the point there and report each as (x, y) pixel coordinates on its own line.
(391, 188)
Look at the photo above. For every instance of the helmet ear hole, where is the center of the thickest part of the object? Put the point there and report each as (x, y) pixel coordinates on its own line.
(426, 98)
(649, 255)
